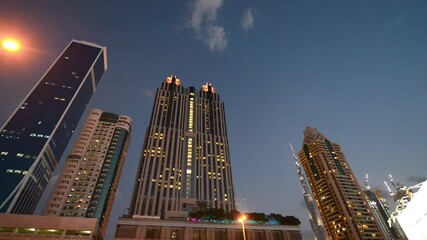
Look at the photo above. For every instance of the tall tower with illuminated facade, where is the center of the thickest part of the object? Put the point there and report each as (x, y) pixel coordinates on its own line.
(33, 139)
(314, 217)
(340, 200)
(185, 156)
(87, 184)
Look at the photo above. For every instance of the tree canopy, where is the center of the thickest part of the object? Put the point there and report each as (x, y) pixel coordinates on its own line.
(233, 215)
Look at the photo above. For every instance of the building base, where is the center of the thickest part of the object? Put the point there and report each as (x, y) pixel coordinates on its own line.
(15, 226)
(149, 228)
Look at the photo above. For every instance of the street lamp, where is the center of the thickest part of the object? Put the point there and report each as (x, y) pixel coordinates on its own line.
(242, 220)
(11, 45)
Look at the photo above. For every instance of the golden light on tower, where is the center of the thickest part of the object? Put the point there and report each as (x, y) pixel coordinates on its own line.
(11, 45)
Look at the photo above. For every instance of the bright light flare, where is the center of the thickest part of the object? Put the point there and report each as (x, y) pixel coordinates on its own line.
(242, 218)
(11, 45)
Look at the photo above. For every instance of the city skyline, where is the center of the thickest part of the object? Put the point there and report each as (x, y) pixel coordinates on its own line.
(382, 213)
(354, 70)
(35, 136)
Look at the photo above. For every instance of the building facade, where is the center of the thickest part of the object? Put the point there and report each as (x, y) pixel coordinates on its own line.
(140, 228)
(87, 184)
(342, 205)
(381, 212)
(185, 156)
(33, 139)
(314, 217)
(24, 227)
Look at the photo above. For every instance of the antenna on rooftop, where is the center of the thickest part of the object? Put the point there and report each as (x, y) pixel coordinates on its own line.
(389, 189)
(366, 182)
(392, 182)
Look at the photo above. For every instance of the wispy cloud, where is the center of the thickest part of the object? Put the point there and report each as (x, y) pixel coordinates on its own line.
(148, 92)
(204, 14)
(247, 20)
(398, 20)
(416, 179)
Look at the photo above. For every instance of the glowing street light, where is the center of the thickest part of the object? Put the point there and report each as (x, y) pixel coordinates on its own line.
(242, 220)
(11, 45)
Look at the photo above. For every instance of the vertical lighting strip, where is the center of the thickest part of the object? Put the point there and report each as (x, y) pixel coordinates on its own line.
(189, 147)
(191, 113)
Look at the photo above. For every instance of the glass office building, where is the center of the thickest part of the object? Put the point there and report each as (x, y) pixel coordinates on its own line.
(33, 139)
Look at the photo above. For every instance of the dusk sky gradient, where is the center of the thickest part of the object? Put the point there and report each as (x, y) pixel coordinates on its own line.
(355, 70)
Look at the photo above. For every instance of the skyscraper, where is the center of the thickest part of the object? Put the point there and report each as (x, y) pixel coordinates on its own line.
(314, 217)
(340, 200)
(381, 212)
(87, 184)
(185, 156)
(33, 139)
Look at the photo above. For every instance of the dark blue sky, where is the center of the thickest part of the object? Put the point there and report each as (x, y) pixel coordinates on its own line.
(356, 70)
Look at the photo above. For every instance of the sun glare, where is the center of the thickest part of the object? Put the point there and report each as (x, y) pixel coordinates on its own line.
(11, 45)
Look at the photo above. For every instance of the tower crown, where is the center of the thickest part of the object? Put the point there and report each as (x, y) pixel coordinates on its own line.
(208, 87)
(173, 79)
(311, 133)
